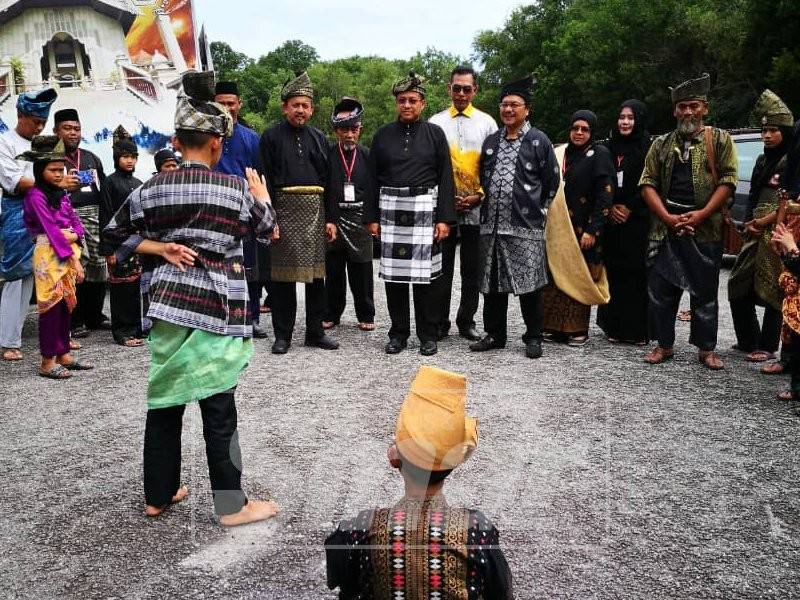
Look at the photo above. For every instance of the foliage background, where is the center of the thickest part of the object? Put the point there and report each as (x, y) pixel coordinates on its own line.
(585, 54)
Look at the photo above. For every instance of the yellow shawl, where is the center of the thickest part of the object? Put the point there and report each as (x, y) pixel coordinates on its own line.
(568, 267)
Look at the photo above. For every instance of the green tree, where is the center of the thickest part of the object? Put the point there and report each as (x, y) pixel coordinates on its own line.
(227, 62)
(292, 55)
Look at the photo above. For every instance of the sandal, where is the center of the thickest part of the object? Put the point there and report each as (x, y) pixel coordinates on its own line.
(685, 316)
(366, 326)
(264, 309)
(131, 342)
(710, 360)
(658, 355)
(576, 341)
(12, 354)
(612, 340)
(73, 345)
(328, 324)
(81, 331)
(57, 372)
(759, 356)
(775, 368)
(787, 396)
(78, 366)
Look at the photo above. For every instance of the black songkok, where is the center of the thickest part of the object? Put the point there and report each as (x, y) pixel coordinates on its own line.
(66, 114)
(351, 106)
(522, 88)
(163, 156)
(227, 87)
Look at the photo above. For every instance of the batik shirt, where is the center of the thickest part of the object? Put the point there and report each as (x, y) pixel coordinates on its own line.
(516, 253)
(418, 550)
(666, 151)
(210, 213)
(465, 132)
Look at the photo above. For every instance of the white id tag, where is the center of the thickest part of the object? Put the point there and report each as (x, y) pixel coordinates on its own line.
(349, 192)
(620, 178)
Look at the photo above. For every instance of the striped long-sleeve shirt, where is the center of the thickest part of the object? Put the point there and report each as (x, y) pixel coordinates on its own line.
(210, 213)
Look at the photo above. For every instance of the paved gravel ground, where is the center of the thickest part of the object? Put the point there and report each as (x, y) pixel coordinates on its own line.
(607, 478)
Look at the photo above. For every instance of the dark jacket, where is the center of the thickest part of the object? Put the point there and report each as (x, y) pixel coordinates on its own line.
(536, 180)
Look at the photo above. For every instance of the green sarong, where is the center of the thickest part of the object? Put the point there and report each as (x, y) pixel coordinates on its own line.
(188, 365)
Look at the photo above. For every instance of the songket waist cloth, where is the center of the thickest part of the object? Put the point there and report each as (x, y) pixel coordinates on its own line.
(16, 261)
(408, 251)
(54, 278)
(299, 254)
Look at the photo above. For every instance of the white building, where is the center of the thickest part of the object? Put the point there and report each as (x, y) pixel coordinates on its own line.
(64, 40)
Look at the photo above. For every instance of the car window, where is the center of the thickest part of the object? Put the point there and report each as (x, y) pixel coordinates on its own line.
(748, 151)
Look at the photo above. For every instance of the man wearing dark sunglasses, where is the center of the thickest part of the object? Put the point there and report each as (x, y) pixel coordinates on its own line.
(466, 128)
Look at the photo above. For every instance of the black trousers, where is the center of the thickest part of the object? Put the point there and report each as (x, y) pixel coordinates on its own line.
(338, 271)
(162, 453)
(126, 311)
(427, 309)
(470, 270)
(665, 299)
(284, 308)
(750, 335)
(495, 315)
(89, 311)
(254, 300)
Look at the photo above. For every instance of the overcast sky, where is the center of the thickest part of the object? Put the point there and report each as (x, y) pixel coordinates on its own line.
(346, 27)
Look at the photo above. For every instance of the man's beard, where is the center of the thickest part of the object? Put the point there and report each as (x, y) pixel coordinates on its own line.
(349, 145)
(688, 126)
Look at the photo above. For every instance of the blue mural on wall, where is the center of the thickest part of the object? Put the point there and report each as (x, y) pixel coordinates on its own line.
(146, 138)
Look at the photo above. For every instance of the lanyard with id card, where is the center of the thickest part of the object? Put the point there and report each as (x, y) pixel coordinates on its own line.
(620, 172)
(349, 188)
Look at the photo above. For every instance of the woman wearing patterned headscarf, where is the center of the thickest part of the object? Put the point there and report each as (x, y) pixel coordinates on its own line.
(588, 190)
(624, 318)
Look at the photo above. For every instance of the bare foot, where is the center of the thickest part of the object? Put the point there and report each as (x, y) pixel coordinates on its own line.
(180, 496)
(252, 512)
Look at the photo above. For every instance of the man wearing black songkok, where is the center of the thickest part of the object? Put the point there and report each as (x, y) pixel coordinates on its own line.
(85, 196)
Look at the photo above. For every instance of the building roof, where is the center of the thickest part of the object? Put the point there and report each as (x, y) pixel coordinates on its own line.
(119, 10)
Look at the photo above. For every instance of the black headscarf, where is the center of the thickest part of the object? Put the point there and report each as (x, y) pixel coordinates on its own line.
(53, 193)
(764, 170)
(631, 149)
(574, 151)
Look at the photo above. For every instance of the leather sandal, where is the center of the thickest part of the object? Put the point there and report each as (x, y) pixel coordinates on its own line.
(773, 368)
(658, 355)
(760, 356)
(787, 396)
(710, 360)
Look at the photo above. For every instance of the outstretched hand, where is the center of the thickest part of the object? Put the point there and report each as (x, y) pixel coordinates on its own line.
(179, 255)
(441, 232)
(330, 232)
(258, 185)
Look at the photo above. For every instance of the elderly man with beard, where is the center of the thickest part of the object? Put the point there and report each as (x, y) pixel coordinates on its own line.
(688, 178)
(86, 199)
(412, 212)
(350, 255)
(295, 158)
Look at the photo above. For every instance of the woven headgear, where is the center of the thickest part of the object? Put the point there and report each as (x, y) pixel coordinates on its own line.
(37, 104)
(412, 83)
(771, 110)
(299, 86)
(196, 109)
(351, 106)
(433, 432)
(522, 88)
(44, 148)
(694, 89)
(123, 143)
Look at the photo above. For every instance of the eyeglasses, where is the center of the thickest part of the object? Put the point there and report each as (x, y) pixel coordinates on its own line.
(409, 101)
(511, 105)
(580, 129)
(459, 89)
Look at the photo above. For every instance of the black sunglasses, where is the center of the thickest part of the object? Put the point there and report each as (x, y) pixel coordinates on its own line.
(458, 89)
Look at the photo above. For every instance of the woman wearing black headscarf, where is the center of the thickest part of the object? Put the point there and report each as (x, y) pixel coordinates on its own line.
(624, 319)
(754, 277)
(589, 189)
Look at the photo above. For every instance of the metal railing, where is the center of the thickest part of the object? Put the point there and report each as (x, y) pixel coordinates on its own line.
(6, 84)
(140, 83)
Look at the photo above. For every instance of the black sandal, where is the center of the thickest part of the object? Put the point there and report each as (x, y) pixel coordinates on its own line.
(57, 372)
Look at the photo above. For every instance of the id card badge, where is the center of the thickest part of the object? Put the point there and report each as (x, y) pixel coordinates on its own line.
(620, 178)
(349, 192)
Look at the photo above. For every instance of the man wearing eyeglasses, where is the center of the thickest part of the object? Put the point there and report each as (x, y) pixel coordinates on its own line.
(689, 175)
(466, 128)
(412, 212)
(520, 175)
